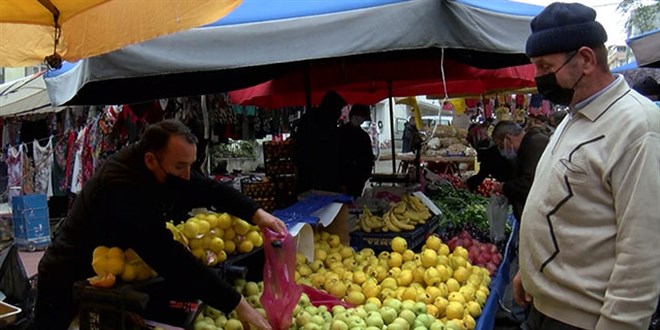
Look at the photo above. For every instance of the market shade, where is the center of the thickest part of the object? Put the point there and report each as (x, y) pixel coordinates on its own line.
(646, 48)
(94, 27)
(25, 96)
(263, 39)
(366, 82)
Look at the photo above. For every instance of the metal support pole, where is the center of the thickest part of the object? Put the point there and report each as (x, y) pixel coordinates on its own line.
(389, 94)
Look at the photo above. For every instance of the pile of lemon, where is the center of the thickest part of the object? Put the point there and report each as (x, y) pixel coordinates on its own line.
(452, 288)
(212, 237)
(112, 262)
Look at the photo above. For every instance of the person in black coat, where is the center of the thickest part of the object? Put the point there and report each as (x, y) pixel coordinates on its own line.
(491, 164)
(525, 148)
(357, 158)
(126, 204)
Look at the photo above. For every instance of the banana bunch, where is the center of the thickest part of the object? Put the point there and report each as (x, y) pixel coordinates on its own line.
(403, 216)
(176, 233)
(368, 222)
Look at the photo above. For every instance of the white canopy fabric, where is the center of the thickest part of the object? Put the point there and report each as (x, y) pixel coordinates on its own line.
(25, 96)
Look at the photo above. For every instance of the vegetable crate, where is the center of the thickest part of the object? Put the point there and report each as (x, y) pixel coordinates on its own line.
(262, 192)
(381, 241)
(30, 222)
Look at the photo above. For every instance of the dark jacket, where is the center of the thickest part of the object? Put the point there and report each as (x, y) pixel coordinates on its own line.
(356, 158)
(530, 151)
(123, 205)
(493, 164)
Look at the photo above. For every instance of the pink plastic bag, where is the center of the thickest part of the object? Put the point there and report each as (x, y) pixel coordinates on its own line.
(281, 293)
(321, 298)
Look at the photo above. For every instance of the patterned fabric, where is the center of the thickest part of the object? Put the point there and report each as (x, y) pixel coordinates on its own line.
(15, 170)
(43, 163)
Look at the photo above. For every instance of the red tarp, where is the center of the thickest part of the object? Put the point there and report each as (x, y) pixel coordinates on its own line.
(367, 82)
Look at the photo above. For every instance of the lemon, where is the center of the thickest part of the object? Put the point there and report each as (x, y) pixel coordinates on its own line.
(433, 242)
(409, 294)
(452, 285)
(429, 258)
(469, 322)
(230, 234)
(405, 278)
(196, 243)
(216, 245)
(230, 247)
(255, 238)
(116, 253)
(433, 291)
(395, 260)
(355, 298)
(212, 220)
(115, 266)
(224, 221)
(129, 274)
(443, 250)
(241, 227)
(221, 256)
(460, 251)
(199, 254)
(100, 251)
(99, 265)
(461, 274)
(480, 297)
(474, 308)
(204, 226)
(457, 297)
(190, 229)
(399, 244)
(441, 304)
(454, 310)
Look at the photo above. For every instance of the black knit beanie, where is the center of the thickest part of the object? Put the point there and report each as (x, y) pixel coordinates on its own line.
(563, 27)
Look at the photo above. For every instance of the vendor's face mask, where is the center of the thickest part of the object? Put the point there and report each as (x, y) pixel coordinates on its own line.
(552, 91)
(172, 181)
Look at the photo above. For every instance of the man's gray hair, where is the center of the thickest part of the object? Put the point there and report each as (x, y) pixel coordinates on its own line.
(505, 127)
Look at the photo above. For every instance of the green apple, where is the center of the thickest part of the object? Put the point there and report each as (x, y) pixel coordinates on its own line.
(318, 319)
(311, 310)
(408, 304)
(374, 328)
(409, 316)
(420, 308)
(421, 327)
(253, 301)
(311, 326)
(437, 325)
(403, 322)
(338, 325)
(356, 322)
(220, 321)
(452, 325)
(361, 312)
(396, 326)
(425, 319)
(327, 316)
(251, 289)
(209, 320)
(297, 310)
(233, 324)
(304, 300)
(394, 303)
(212, 312)
(342, 317)
(374, 319)
(370, 307)
(338, 309)
(303, 318)
(388, 314)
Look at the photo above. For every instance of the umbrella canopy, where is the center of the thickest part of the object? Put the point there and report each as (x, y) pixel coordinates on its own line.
(261, 40)
(25, 96)
(368, 82)
(646, 48)
(30, 30)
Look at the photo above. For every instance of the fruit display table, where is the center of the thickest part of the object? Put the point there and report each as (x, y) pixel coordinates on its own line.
(499, 281)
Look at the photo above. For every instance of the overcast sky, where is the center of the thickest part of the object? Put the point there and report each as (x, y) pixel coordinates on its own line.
(606, 14)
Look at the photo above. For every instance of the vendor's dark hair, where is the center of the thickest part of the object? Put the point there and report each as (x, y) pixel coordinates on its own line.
(157, 135)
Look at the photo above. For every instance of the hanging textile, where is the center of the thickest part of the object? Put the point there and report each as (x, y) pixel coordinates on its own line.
(14, 171)
(43, 165)
(28, 172)
(60, 176)
(77, 175)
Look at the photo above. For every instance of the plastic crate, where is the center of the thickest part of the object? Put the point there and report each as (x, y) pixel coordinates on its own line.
(382, 241)
(274, 150)
(30, 222)
(108, 309)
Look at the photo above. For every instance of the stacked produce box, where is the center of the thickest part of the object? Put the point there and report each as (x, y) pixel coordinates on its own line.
(278, 160)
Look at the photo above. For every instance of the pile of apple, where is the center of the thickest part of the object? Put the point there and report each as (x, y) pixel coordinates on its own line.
(213, 319)
(481, 254)
(212, 237)
(446, 282)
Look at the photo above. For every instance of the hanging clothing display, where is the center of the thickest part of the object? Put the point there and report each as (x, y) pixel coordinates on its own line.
(43, 165)
(77, 175)
(28, 172)
(15, 170)
(60, 176)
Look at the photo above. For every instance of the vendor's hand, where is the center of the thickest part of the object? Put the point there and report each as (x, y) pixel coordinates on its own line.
(248, 315)
(498, 188)
(521, 297)
(264, 219)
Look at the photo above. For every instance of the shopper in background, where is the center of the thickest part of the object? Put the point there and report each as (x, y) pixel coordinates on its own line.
(356, 156)
(317, 147)
(649, 88)
(556, 118)
(410, 136)
(589, 233)
(524, 148)
(126, 204)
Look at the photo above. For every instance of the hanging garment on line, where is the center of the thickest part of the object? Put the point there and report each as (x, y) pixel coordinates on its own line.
(14, 171)
(43, 166)
(28, 172)
(77, 176)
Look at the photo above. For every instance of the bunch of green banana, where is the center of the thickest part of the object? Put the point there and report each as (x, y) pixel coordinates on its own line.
(368, 222)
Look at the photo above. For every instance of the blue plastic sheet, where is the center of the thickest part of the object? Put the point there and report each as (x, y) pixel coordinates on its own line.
(486, 320)
(302, 211)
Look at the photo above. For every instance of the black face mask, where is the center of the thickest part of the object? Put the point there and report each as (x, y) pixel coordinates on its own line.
(172, 181)
(550, 89)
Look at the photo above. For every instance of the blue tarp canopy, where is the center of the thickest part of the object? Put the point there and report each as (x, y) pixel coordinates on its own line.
(263, 39)
(646, 48)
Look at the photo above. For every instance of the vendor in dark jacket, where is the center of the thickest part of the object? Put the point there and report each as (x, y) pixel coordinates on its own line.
(126, 204)
(491, 164)
(525, 148)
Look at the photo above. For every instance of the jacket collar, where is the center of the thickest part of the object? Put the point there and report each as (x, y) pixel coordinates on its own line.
(596, 107)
